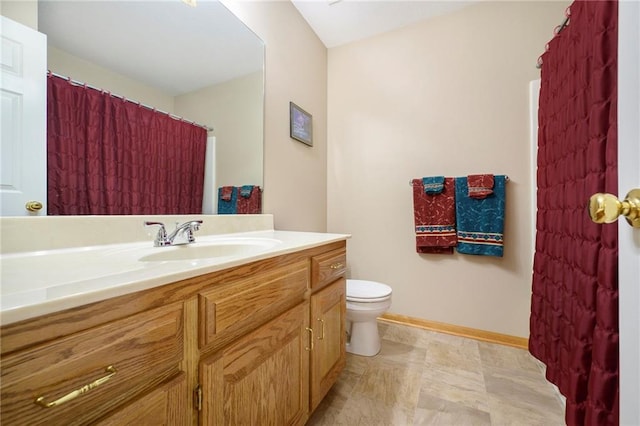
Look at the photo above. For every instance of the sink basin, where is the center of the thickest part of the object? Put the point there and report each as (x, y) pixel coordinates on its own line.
(221, 247)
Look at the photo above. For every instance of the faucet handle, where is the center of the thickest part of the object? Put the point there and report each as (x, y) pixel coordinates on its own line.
(151, 223)
(161, 236)
(192, 225)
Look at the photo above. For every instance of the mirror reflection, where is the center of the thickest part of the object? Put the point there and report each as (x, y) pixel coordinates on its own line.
(200, 63)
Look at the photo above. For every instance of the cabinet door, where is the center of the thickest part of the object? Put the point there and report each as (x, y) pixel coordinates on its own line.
(165, 405)
(328, 357)
(261, 378)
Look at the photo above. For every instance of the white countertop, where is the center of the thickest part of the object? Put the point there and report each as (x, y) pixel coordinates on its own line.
(41, 282)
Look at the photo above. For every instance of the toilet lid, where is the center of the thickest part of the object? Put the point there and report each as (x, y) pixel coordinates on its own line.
(367, 290)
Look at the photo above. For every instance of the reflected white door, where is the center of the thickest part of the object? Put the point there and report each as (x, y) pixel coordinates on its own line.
(628, 237)
(23, 138)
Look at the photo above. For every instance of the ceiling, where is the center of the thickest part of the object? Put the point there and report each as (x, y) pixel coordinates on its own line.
(343, 21)
(167, 44)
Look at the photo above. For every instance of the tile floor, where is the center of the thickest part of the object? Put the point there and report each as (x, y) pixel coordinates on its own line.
(422, 377)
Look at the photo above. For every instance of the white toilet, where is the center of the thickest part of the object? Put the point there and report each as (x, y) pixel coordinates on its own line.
(366, 301)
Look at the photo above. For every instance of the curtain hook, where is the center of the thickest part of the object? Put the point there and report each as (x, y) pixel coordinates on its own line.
(539, 62)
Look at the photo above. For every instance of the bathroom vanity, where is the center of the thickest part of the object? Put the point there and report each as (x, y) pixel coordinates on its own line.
(246, 339)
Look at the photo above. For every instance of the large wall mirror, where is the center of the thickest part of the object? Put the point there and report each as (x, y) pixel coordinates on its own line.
(201, 63)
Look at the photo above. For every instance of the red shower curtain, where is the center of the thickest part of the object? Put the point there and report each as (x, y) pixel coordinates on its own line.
(574, 309)
(110, 156)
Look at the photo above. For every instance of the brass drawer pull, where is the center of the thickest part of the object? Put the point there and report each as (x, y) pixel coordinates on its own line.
(321, 337)
(310, 330)
(337, 265)
(76, 393)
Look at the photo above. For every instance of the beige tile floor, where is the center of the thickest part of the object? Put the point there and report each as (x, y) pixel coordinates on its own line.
(422, 377)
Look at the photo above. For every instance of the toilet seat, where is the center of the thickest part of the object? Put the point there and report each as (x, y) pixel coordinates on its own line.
(362, 291)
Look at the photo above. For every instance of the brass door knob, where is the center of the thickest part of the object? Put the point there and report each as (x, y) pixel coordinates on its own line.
(33, 206)
(606, 208)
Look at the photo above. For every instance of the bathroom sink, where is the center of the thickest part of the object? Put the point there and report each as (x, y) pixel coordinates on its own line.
(220, 247)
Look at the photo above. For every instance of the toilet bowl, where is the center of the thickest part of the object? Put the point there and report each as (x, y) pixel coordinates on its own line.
(366, 301)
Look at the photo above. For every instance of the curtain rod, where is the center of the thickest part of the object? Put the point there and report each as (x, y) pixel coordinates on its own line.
(175, 117)
(562, 26)
(557, 30)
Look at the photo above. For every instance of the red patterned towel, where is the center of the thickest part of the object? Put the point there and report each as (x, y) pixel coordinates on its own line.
(480, 186)
(226, 193)
(251, 204)
(435, 218)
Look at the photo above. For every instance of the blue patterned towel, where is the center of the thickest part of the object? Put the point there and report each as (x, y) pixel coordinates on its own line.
(433, 184)
(226, 204)
(480, 222)
(245, 190)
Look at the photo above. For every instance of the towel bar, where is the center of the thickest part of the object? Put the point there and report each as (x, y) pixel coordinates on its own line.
(506, 178)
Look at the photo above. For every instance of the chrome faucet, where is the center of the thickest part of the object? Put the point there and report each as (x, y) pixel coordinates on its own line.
(183, 234)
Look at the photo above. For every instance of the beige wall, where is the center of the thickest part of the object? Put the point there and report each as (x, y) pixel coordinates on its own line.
(63, 63)
(295, 175)
(235, 110)
(24, 11)
(448, 96)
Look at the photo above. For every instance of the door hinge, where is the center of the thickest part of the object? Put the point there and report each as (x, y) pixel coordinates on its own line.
(197, 397)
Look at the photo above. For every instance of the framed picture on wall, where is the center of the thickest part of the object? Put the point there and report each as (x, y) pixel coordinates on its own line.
(300, 127)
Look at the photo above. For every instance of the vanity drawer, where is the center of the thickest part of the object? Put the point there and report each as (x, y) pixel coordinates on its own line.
(106, 365)
(327, 267)
(231, 309)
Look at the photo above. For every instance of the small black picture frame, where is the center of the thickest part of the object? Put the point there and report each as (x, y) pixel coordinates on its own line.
(300, 124)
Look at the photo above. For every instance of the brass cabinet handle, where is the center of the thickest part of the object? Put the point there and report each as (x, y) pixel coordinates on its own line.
(76, 393)
(606, 208)
(33, 206)
(321, 337)
(337, 265)
(310, 330)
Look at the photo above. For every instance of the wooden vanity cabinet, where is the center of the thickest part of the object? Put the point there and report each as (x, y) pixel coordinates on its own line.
(328, 317)
(258, 343)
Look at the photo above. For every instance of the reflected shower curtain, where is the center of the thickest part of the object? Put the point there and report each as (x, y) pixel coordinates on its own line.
(574, 308)
(109, 156)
